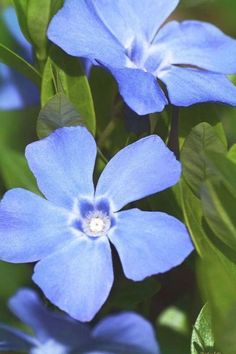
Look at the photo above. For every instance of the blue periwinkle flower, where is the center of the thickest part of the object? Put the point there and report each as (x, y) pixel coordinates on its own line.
(55, 333)
(16, 91)
(190, 58)
(70, 232)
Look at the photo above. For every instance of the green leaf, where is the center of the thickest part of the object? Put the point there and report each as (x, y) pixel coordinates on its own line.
(219, 210)
(15, 171)
(217, 275)
(195, 167)
(202, 336)
(21, 10)
(232, 153)
(57, 113)
(39, 14)
(192, 210)
(10, 58)
(64, 74)
(223, 167)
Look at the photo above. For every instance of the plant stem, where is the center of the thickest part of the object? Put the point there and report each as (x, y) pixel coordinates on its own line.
(173, 142)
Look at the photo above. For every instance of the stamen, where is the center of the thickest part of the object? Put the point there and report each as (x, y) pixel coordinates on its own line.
(96, 224)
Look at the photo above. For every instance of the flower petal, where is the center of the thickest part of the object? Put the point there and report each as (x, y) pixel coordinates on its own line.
(149, 16)
(197, 43)
(140, 169)
(63, 164)
(78, 278)
(15, 340)
(149, 242)
(86, 35)
(190, 86)
(140, 90)
(127, 19)
(128, 329)
(14, 94)
(30, 227)
(27, 306)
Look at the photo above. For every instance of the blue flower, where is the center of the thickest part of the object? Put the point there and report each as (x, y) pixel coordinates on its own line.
(55, 333)
(190, 58)
(16, 91)
(69, 233)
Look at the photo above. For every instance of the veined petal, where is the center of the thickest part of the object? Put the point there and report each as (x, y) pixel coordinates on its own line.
(63, 164)
(189, 86)
(149, 242)
(199, 44)
(140, 90)
(127, 19)
(30, 227)
(128, 329)
(78, 278)
(46, 324)
(140, 169)
(149, 16)
(86, 35)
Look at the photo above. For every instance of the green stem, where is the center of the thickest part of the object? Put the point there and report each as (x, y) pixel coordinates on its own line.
(173, 142)
(103, 157)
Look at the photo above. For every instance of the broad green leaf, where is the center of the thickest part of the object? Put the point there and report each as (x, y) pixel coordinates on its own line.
(8, 57)
(57, 113)
(225, 168)
(192, 116)
(15, 171)
(219, 210)
(232, 153)
(195, 167)
(202, 337)
(192, 210)
(39, 14)
(217, 275)
(21, 10)
(64, 74)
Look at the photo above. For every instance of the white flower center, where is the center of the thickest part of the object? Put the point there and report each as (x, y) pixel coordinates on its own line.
(51, 346)
(96, 224)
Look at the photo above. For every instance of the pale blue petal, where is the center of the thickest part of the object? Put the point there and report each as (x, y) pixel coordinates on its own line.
(78, 278)
(189, 86)
(198, 44)
(30, 227)
(63, 164)
(149, 16)
(149, 242)
(140, 90)
(127, 19)
(47, 324)
(16, 92)
(128, 329)
(12, 339)
(86, 35)
(140, 169)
